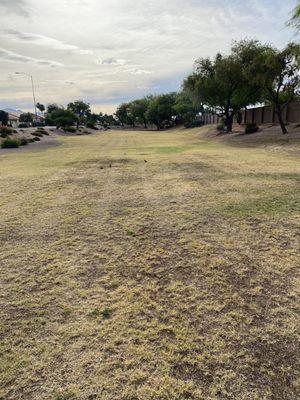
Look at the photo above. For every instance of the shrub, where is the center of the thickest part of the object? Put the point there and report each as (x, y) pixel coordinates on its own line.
(36, 139)
(251, 128)
(91, 125)
(10, 143)
(5, 131)
(31, 140)
(23, 141)
(194, 124)
(221, 127)
(37, 133)
(70, 129)
(23, 125)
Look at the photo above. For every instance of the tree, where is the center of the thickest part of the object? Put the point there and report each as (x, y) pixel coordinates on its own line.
(63, 118)
(40, 107)
(81, 109)
(185, 108)
(160, 109)
(221, 85)
(52, 107)
(123, 115)
(295, 20)
(92, 119)
(137, 110)
(277, 72)
(3, 118)
(26, 117)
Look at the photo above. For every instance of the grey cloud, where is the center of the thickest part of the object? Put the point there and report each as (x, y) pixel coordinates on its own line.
(42, 40)
(113, 61)
(7, 55)
(15, 6)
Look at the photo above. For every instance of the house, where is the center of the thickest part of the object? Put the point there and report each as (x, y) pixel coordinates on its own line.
(13, 120)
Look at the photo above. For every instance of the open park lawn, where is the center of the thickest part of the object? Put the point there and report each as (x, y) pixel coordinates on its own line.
(149, 266)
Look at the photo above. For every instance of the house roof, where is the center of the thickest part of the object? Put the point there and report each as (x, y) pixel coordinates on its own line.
(13, 117)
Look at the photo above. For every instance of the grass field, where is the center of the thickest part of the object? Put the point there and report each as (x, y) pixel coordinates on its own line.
(149, 266)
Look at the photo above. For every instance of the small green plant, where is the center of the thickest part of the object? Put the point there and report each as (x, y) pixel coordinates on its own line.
(251, 128)
(106, 313)
(221, 127)
(130, 233)
(94, 313)
(10, 143)
(24, 141)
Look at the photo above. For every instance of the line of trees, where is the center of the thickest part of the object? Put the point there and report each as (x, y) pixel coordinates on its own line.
(76, 113)
(253, 73)
(163, 111)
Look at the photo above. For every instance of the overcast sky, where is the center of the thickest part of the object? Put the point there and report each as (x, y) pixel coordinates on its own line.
(109, 51)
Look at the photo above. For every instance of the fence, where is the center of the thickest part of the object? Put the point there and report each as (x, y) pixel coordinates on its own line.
(262, 115)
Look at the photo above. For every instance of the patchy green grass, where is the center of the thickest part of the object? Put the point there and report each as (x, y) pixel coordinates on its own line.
(149, 266)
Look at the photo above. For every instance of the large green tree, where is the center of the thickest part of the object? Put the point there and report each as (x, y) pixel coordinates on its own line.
(63, 118)
(161, 109)
(26, 117)
(185, 108)
(221, 84)
(81, 109)
(137, 110)
(277, 72)
(123, 114)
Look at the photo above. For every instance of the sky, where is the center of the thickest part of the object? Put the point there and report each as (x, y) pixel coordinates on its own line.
(109, 51)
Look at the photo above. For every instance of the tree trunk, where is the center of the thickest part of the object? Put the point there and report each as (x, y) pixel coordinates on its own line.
(145, 124)
(228, 122)
(280, 119)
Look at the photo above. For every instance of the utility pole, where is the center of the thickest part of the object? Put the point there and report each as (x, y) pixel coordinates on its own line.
(33, 91)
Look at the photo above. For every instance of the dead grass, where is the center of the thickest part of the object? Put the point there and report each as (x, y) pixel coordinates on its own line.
(141, 266)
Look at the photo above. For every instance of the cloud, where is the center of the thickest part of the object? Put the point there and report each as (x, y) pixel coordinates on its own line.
(113, 61)
(119, 49)
(45, 41)
(137, 71)
(7, 55)
(15, 6)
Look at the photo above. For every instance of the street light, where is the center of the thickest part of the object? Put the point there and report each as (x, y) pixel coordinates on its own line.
(33, 92)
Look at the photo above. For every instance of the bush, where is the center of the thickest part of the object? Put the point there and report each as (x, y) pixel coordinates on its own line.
(23, 141)
(91, 125)
(194, 124)
(37, 133)
(10, 143)
(221, 127)
(70, 129)
(36, 139)
(42, 131)
(5, 131)
(31, 140)
(251, 128)
(23, 125)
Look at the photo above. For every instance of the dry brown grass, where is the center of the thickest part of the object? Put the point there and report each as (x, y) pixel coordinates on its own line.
(148, 266)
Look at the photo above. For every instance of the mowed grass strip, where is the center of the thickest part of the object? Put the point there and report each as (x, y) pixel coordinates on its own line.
(146, 266)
